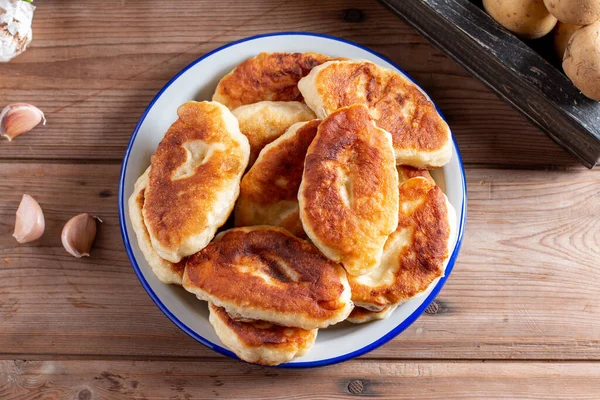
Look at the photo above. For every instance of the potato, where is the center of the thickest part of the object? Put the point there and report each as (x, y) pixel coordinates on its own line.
(582, 60)
(574, 12)
(562, 34)
(528, 19)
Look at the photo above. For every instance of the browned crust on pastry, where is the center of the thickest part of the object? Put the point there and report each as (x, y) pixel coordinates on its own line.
(177, 209)
(361, 315)
(349, 144)
(405, 173)
(265, 121)
(176, 268)
(268, 76)
(224, 269)
(276, 178)
(422, 260)
(265, 334)
(389, 96)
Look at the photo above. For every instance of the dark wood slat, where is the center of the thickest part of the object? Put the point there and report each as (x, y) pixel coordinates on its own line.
(511, 69)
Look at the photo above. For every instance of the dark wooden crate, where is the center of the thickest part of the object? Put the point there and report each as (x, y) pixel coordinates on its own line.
(511, 68)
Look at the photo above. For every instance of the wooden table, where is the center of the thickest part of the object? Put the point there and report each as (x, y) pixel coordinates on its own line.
(519, 317)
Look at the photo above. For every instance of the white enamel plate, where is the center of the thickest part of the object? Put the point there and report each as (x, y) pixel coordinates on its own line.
(197, 82)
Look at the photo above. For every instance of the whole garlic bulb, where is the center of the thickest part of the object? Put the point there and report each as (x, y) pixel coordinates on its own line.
(15, 28)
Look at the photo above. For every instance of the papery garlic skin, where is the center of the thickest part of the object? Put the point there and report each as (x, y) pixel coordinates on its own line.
(19, 118)
(15, 28)
(30, 223)
(78, 234)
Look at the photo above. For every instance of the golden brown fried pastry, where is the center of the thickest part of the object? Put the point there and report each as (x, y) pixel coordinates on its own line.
(260, 342)
(405, 173)
(265, 121)
(349, 193)
(266, 273)
(416, 254)
(268, 76)
(361, 315)
(421, 136)
(194, 179)
(269, 191)
(164, 270)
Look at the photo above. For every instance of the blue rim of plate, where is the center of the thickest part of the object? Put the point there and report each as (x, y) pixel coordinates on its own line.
(310, 364)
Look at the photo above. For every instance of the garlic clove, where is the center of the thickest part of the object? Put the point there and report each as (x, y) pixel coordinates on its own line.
(78, 234)
(15, 27)
(19, 118)
(30, 223)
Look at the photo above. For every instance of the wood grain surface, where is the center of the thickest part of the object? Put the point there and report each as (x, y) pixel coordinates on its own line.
(217, 379)
(525, 285)
(519, 317)
(95, 65)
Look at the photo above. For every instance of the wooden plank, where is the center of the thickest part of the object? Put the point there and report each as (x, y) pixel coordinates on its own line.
(511, 69)
(525, 285)
(84, 380)
(95, 73)
(51, 302)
